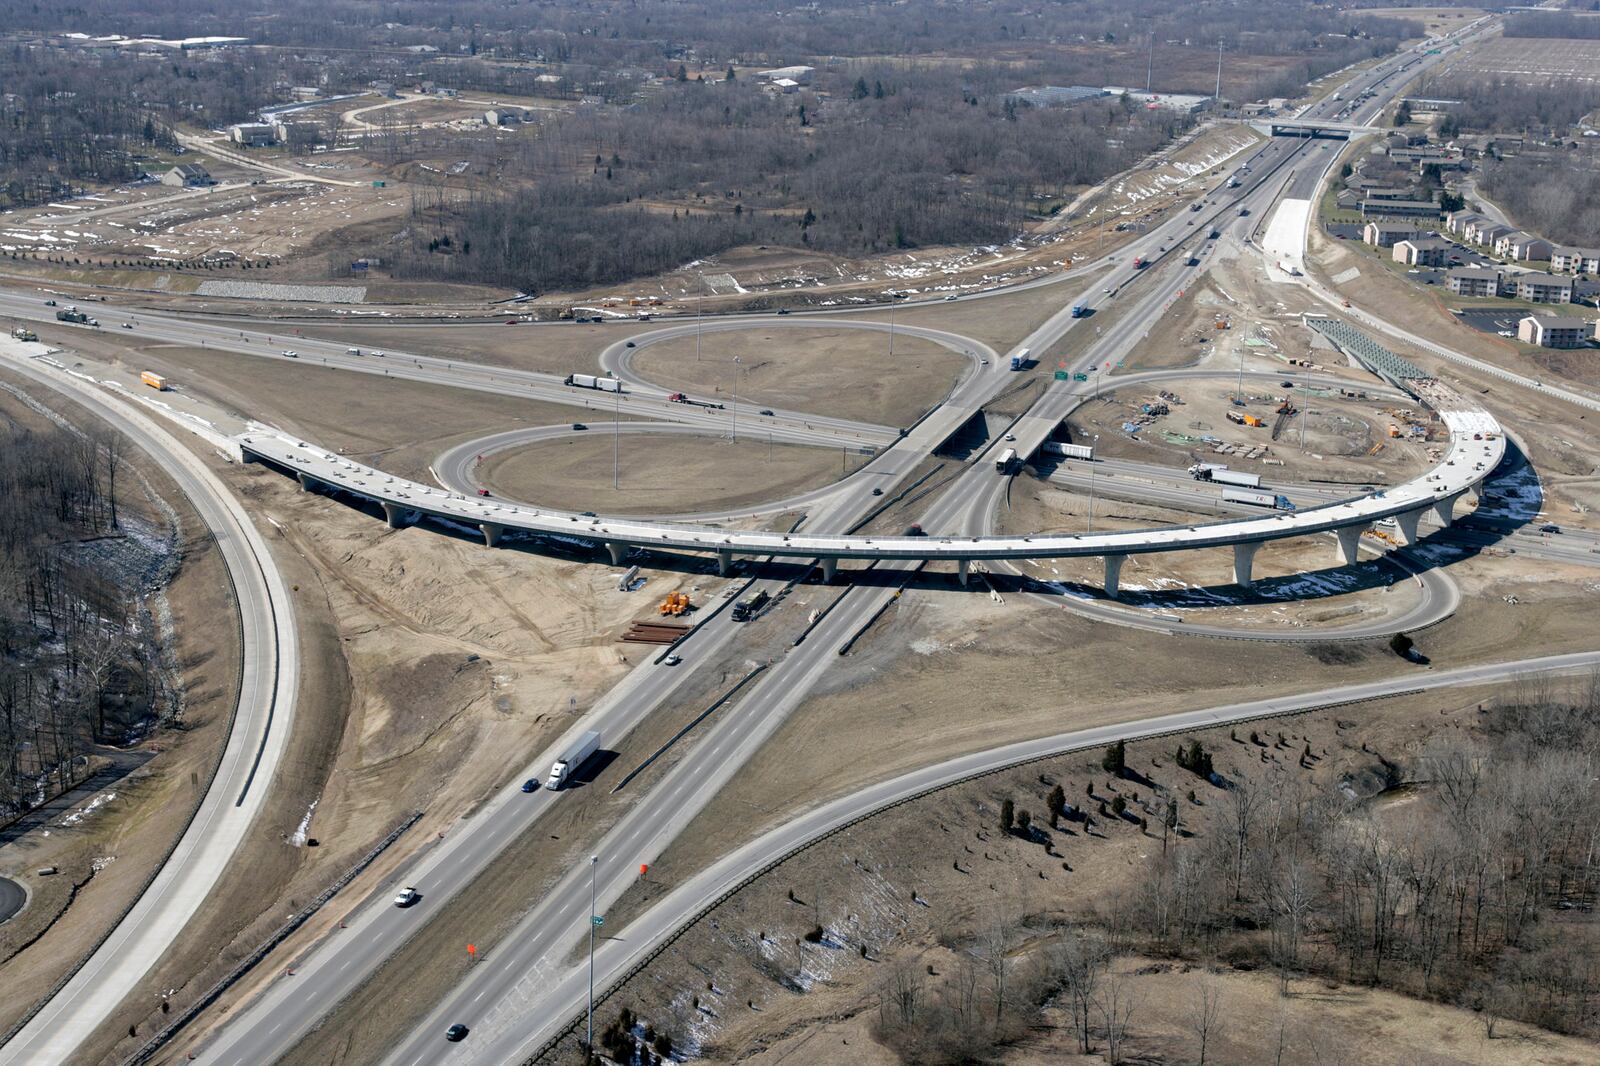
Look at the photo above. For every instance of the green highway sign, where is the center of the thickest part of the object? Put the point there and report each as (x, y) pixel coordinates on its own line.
(597, 919)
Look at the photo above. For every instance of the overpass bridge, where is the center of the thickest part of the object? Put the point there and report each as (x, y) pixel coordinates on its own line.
(1476, 448)
(1312, 127)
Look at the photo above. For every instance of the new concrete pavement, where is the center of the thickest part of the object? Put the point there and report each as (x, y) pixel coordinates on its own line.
(261, 727)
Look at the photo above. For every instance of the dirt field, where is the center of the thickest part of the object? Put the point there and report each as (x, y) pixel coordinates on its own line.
(664, 474)
(917, 881)
(1340, 434)
(846, 373)
(111, 851)
(400, 426)
(1435, 20)
(1531, 60)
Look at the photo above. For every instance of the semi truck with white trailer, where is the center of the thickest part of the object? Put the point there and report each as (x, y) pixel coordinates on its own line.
(1020, 360)
(1258, 499)
(591, 381)
(1223, 476)
(1006, 462)
(574, 757)
(1068, 451)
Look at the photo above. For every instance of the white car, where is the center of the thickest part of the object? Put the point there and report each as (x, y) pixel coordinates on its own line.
(406, 897)
(952, 296)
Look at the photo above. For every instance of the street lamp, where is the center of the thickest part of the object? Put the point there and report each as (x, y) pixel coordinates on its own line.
(1089, 527)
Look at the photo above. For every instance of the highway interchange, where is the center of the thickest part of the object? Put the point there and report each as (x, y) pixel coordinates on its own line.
(529, 989)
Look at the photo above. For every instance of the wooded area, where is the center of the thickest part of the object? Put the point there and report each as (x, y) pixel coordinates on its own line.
(78, 657)
(1557, 200)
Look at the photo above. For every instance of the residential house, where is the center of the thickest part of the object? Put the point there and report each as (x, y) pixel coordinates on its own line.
(1457, 222)
(1575, 260)
(798, 75)
(1485, 232)
(1540, 288)
(1399, 209)
(1422, 251)
(1520, 245)
(1473, 281)
(251, 134)
(1551, 332)
(1384, 234)
(187, 174)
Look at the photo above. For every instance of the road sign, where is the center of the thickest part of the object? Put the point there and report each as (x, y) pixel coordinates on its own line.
(597, 919)
(1061, 375)
(1080, 377)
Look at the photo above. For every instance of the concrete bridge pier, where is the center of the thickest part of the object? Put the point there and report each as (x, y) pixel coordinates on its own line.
(307, 482)
(616, 551)
(1350, 543)
(963, 566)
(830, 569)
(724, 562)
(1445, 506)
(491, 533)
(394, 514)
(1408, 524)
(1113, 574)
(1244, 558)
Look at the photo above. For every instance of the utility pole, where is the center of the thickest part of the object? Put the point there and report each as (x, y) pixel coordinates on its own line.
(699, 309)
(736, 397)
(1150, 67)
(1089, 526)
(1238, 393)
(1218, 97)
(593, 861)
(616, 439)
(891, 331)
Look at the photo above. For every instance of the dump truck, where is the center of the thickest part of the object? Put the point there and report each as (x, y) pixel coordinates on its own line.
(1223, 476)
(750, 606)
(23, 333)
(574, 757)
(590, 381)
(155, 381)
(1244, 420)
(72, 314)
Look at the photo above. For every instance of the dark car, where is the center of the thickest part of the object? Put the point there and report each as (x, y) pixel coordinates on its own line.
(877, 492)
(531, 785)
(765, 411)
(783, 310)
(456, 1033)
(579, 425)
(1549, 527)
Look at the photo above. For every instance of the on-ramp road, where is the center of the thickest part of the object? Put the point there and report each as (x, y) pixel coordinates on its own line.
(269, 672)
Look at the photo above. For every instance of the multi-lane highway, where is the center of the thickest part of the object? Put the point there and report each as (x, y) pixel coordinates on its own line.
(261, 727)
(504, 995)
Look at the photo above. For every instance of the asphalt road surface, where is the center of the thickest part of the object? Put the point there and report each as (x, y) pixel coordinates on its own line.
(12, 897)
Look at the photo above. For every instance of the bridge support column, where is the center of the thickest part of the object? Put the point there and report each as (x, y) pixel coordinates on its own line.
(1113, 574)
(307, 482)
(724, 562)
(1244, 557)
(1444, 507)
(830, 570)
(1408, 524)
(491, 533)
(963, 567)
(394, 514)
(616, 551)
(1350, 543)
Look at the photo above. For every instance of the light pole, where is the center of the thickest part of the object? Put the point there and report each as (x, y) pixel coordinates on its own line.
(1089, 528)
(699, 310)
(593, 861)
(891, 331)
(616, 439)
(736, 397)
